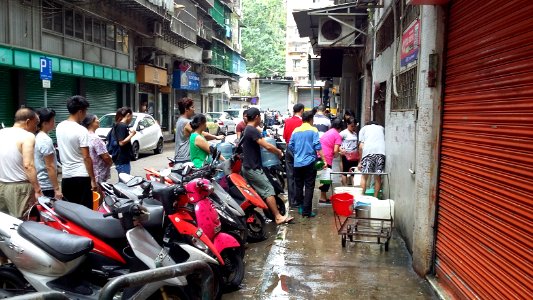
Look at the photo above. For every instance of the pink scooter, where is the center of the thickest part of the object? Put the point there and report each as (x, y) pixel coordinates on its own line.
(198, 191)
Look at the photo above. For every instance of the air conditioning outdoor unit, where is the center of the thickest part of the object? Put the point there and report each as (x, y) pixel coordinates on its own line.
(330, 30)
(208, 83)
(158, 29)
(207, 55)
(159, 61)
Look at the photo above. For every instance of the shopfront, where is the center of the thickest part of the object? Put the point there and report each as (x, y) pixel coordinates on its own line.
(152, 84)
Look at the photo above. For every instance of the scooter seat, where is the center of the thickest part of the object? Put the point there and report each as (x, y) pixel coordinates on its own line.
(93, 221)
(63, 246)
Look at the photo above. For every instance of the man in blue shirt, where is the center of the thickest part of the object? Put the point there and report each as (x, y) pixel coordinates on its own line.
(305, 144)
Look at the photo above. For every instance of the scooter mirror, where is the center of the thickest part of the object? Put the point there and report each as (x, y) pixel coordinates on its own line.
(165, 172)
(186, 170)
(134, 181)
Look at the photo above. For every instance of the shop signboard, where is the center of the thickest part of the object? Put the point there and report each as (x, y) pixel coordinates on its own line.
(410, 45)
(185, 80)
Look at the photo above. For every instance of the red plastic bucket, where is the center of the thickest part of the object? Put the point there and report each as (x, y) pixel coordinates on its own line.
(342, 204)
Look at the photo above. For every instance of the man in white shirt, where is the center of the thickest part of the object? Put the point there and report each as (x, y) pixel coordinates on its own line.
(78, 180)
(321, 121)
(19, 187)
(372, 147)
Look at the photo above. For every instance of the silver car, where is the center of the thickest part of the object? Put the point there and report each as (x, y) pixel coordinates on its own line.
(226, 122)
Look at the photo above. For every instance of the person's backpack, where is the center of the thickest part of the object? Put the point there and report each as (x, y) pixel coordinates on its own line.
(113, 148)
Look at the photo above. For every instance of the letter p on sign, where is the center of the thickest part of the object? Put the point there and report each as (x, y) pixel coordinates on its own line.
(46, 68)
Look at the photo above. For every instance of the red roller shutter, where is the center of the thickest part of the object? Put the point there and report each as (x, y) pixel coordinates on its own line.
(484, 243)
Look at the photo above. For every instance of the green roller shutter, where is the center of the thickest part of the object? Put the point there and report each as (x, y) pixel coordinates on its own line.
(102, 96)
(63, 87)
(7, 103)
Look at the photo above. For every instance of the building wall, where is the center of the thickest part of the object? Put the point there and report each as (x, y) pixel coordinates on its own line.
(412, 142)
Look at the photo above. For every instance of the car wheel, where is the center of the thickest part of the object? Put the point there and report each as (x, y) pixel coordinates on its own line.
(135, 150)
(159, 148)
(218, 131)
(226, 131)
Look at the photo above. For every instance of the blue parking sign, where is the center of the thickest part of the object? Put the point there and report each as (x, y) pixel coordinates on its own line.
(46, 68)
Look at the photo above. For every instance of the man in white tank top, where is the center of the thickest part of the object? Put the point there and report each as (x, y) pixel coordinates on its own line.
(19, 187)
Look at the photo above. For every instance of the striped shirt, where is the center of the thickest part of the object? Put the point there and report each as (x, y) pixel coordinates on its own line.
(304, 144)
(322, 123)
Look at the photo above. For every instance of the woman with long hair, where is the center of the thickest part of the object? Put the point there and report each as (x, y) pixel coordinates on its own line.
(97, 150)
(123, 135)
(45, 154)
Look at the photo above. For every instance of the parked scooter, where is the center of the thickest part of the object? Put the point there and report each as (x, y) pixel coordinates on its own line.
(45, 259)
(175, 199)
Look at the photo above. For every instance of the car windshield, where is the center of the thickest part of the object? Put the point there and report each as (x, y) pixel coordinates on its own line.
(108, 120)
(233, 113)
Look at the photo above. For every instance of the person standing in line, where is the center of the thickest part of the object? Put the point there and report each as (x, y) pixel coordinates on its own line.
(372, 147)
(305, 143)
(45, 155)
(252, 170)
(291, 124)
(19, 187)
(102, 161)
(78, 180)
(124, 134)
(184, 130)
(321, 121)
(349, 148)
(331, 142)
(241, 126)
(199, 146)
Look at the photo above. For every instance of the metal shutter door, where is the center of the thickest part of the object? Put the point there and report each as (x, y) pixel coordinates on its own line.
(485, 228)
(63, 87)
(102, 96)
(304, 97)
(274, 96)
(7, 103)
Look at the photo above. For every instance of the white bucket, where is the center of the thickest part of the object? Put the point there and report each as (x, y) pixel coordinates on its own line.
(354, 191)
(357, 180)
(382, 209)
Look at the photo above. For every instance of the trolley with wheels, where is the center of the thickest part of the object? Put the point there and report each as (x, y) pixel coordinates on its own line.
(353, 226)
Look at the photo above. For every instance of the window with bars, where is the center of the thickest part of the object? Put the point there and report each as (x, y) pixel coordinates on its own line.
(406, 85)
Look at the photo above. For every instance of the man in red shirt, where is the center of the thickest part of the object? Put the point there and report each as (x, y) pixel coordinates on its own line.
(241, 126)
(290, 124)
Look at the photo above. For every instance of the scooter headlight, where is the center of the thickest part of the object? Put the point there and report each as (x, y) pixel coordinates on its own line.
(196, 242)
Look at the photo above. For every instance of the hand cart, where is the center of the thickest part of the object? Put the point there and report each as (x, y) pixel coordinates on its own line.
(350, 225)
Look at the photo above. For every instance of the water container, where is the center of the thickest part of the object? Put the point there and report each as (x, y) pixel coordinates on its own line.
(382, 209)
(354, 191)
(268, 158)
(226, 149)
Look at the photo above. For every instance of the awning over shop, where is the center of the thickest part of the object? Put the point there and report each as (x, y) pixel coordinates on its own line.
(341, 25)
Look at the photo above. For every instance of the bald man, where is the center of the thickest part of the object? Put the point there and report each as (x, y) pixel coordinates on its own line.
(19, 187)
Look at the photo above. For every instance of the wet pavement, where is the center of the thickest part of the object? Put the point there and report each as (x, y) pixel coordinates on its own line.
(305, 260)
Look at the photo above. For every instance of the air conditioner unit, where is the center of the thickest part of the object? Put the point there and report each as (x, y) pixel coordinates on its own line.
(330, 30)
(158, 29)
(208, 83)
(207, 55)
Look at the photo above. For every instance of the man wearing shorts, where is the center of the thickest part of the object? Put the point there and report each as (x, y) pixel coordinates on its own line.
(19, 187)
(252, 169)
(372, 147)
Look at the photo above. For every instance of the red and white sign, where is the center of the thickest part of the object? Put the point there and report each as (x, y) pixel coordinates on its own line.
(410, 45)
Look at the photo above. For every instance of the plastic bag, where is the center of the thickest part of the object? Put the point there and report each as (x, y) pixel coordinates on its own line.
(325, 176)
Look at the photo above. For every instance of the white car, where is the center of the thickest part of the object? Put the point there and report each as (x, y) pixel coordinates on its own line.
(149, 136)
(224, 120)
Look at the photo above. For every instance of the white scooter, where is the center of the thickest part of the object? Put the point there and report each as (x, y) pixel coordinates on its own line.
(45, 259)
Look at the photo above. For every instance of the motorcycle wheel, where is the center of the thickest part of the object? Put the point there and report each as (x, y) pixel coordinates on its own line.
(194, 284)
(12, 283)
(281, 208)
(233, 269)
(255, 224)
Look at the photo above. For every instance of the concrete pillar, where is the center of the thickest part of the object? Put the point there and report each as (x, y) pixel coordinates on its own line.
(427, 139)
